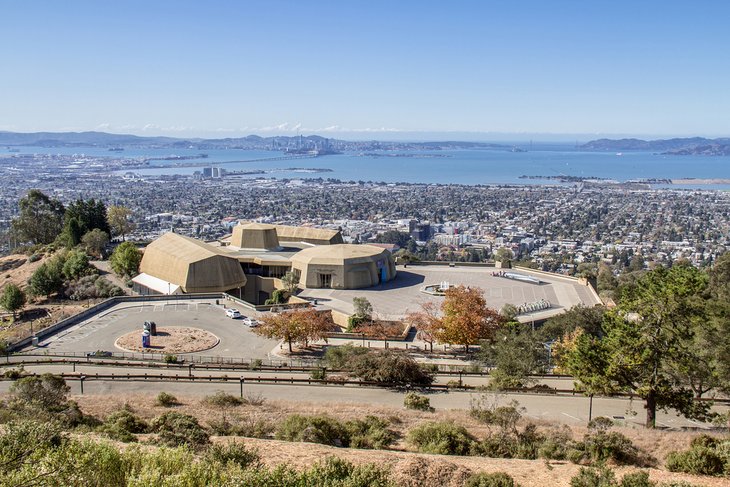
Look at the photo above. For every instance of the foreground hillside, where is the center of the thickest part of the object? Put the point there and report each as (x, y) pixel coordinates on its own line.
(400, 461)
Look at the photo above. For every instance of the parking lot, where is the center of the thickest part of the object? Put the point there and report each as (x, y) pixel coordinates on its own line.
(101, 331)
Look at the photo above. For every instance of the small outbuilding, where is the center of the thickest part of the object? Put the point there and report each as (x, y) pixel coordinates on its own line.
(343, 266)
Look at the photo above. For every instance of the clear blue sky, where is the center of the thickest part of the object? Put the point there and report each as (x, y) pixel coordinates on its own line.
(352, 68)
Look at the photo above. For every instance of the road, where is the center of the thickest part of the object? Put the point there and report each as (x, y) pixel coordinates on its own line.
(563, 409)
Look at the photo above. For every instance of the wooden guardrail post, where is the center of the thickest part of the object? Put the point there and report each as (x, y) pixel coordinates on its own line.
(81, 380)
(241, 382)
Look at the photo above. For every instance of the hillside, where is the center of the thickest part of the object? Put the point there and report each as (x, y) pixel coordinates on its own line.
(675, 146)
(406, 465)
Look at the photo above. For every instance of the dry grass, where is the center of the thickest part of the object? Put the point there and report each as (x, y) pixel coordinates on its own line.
(444, 470)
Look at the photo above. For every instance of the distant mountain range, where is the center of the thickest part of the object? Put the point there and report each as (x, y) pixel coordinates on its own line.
(677, 146)
(103, 139)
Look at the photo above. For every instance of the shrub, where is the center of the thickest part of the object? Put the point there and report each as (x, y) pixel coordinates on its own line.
(123, 424)
(601, 445)
(371, 432)
(604, 477)
(234, 452)
(318, 374)
(390, 368)
(253, 399)
(253, 428)
(222, 400)
(496, 479)
(601, 423)
(555, 444)
(339, 358)
(699, 460)
(593, 477)
(416, 401)
(35, 257)
(444, 438)
(170, 358)
(165, 399)
(174, 429)
(313, 429)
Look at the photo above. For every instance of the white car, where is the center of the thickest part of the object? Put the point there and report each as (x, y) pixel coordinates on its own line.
(233, 313)
(250, 322)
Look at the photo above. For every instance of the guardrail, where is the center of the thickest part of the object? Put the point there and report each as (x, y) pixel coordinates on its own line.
(243, 365)
(542, 390)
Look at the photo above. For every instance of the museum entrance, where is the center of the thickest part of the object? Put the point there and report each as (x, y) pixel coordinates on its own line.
(325, 280)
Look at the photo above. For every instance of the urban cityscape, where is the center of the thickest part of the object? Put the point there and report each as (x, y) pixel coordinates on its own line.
(276, 243)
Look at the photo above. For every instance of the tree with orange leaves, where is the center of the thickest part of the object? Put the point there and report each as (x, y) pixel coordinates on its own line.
(465, 318)
(299, 326)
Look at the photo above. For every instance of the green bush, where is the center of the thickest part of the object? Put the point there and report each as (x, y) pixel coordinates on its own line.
(339, 358)
(496, 479)
(600, 445)
(313, 429)
(234, 452)
(416, 401)
(123, 424)
(389, 367)
(371, 433)
(222, 400)
(699, 460)
(605, 477)
(444, 438)
(318, 374)
(165, 399)
(170, 358)
(175, 429)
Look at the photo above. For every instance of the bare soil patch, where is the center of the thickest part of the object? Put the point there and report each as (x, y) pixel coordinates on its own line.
(170, 339)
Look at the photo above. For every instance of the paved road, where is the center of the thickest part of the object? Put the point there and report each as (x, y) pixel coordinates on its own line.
(564, 409)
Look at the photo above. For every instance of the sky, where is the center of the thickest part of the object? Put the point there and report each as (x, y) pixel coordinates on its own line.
(367, 69)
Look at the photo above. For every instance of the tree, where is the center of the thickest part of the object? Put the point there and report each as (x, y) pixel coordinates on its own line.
(465, 318)
(119, 221)
(12, 299)
(516, 353)
(90, 214)
(291, 282)
(48, 278)
(298, 326)
(40, 220)
(72, 232)
(589, 319)
(95, 242)
(645, 339)
(503, 254)
(76, 264)
(125, 260)
(363, 308)
(427, 323)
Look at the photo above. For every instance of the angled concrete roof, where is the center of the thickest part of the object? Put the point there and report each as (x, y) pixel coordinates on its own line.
(316, 236)
(339, 254)
(255, 236)
(191, 264)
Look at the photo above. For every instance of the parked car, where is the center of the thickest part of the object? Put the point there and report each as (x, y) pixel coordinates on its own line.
(250, 322)
(233, 313)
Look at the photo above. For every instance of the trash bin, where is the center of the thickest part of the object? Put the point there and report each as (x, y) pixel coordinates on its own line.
(153, 328)
(145, 339)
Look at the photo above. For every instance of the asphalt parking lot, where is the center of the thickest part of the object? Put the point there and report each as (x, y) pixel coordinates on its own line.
(101, 331)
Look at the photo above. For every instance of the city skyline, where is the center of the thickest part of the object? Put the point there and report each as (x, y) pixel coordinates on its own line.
(563, 70)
